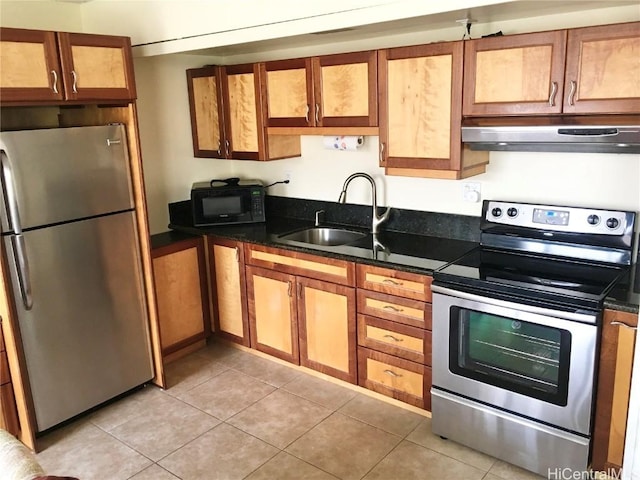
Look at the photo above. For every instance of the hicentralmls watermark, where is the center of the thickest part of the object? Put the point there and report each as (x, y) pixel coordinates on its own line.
(570, 474)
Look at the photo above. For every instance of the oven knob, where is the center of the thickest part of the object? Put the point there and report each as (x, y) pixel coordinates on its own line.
(512, 212)
(496, 212)
(613, 222)
(593, 219)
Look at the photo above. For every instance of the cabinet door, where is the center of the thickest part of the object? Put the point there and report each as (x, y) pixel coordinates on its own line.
(345, 89)
(327, 323)
(514, 75)
(272, 313)
(420, 106)
(229, 287)
(243, 125)
(205, 106)
(181, 293)
(288, 93)
(96, 67)
(614, 384)
(30, 66)
(603, 69)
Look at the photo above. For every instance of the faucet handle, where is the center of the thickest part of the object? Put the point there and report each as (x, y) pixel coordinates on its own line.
(319, 217)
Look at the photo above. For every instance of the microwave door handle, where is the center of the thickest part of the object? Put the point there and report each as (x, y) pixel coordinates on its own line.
(12, 213)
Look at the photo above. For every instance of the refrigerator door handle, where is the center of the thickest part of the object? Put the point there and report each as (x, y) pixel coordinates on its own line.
(13, 216)
(22, 268)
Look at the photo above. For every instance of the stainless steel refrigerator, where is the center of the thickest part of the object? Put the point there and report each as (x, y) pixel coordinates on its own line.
(70, 237)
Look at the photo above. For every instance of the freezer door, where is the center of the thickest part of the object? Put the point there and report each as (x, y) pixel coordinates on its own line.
(63, 174)
(86, 336)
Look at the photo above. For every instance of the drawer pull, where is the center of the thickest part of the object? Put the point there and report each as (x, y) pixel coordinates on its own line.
(391, 307)
(395, 339)
(392, 282)
(391, 373)
(622, 324)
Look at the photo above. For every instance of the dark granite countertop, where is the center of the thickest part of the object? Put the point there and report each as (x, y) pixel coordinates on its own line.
(448, 237)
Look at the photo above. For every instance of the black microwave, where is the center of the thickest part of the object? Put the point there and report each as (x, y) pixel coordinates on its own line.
(223, 202)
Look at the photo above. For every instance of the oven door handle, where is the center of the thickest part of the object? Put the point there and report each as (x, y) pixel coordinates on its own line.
(590, 318)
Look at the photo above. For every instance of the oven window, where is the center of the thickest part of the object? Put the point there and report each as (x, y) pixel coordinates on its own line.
(519, 356)
(216, 206)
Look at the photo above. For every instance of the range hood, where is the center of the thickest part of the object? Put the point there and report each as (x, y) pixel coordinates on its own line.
(554, 138)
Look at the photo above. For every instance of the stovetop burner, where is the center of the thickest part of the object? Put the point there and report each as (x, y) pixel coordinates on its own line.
(538, 254)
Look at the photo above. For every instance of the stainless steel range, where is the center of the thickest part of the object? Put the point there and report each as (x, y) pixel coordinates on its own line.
(516, 326)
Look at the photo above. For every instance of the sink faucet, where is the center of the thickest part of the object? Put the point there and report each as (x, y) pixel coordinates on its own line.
(376, 220)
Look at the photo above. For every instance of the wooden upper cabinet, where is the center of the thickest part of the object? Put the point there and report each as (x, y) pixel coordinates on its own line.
(603, 69)
(420, 92)
(514, 75)
(40, 66)
(30, 66)
(205, 103)
(96, 67)
(327, 91)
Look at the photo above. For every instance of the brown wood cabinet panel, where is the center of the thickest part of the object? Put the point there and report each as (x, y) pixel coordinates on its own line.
(272, 303)
(515, 74)
(394, 282)
(205, 104)
(5, 376)
(303, 264)
(327, 328)
(396, 339)
(8, 413)
(30, 66)
(603, 69)
(613, 387)
(181, 293)
(395, 377)
(228, 284)
(288, 92)
(97, 67)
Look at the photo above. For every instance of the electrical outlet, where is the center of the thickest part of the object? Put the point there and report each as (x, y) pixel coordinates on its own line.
(471, 192)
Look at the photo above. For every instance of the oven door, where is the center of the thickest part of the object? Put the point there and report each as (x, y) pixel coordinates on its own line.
(530, 361)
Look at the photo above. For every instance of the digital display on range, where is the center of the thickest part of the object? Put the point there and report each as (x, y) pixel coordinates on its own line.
(550, 217)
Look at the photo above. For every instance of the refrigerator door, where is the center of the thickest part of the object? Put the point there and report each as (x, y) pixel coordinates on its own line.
(63, 174)
(86, 336)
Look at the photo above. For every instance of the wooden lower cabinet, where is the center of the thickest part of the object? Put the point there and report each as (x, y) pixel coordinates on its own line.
(8, 410)
(395, 377)
(307, 321)
(227, 273)
(180, 280)
(614, 384)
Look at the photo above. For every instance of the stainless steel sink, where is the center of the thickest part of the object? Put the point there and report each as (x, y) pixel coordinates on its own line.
(325, 236)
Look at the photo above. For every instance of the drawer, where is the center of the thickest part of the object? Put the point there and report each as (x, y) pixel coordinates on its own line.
(397, 309)
(303, 264)
(394, 282)
(8, 410)
(395, 377)
(396, 339)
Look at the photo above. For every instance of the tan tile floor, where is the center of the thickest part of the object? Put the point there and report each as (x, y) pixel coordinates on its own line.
(229, 414)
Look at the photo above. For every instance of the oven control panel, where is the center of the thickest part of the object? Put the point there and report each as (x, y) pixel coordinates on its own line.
(565, 219)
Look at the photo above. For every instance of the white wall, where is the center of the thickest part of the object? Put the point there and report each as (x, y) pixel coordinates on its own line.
(41, 15)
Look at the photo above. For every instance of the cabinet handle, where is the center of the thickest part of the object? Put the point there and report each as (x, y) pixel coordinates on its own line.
(391, 307)
(395, 339)
(552, 96)
(317, 113)
(55, 81)
(392, 282)
(227, 146)
(219, 145)
(299, 290)
(306, 114)
(382, 153)
(75, 81)
(391, 373)
(572, 93)
(289, 289)
(237, 254)
(622, 324)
